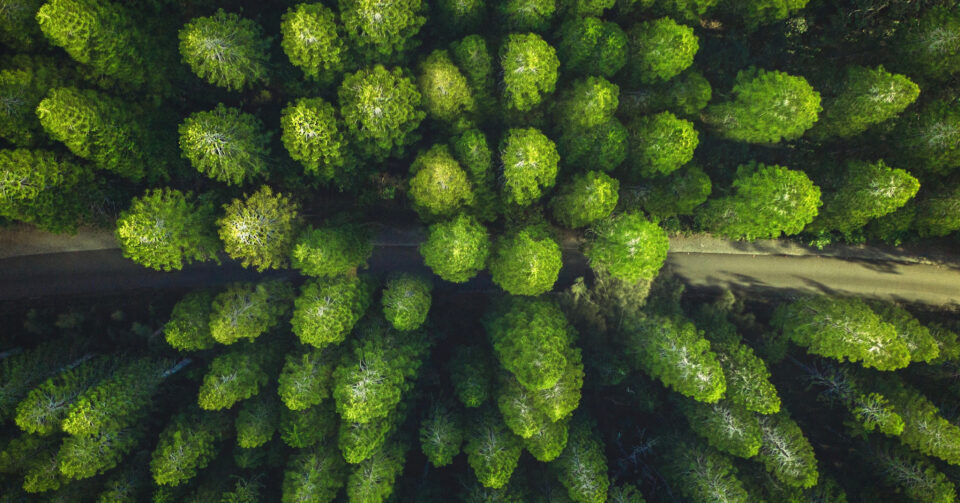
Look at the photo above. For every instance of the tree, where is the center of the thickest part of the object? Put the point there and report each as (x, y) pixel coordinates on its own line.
(330, 251)
(312, 135)
(587, 198)
(473, 152)
(628, 247)
(588, 103)
(516, 407)
(472, 56)
(936, 212)
(381, 110)
(727, 427)
(866, 191)
(441, 433)
(526, 15)
(226, 144)
(446, 93)
(458, 17)
(531, 338)
(679, 193)
(313, 40)
(380, 30)
(23, 84)
(526, 262)
(44, 189)
(103, 36)
(165, 229)
(20, 372)
(328, 308)
(590, 46)
(188, 328)
(187, 445)
(925, 430)
(234, 376)
(256, 421)
(373, 479)
(17, 29)
(766, 201)
(529, 161)
(315, 474)
(43, 409)
(307, 427)
(685, 95)
(226, 50)
(492, 450)
(786, 452)
(438, 185)
(360, 441)
(603, 147)
(919, 479)
(471, 373)
(660, 144)
(100, 128)
(560, 400)
(260, 230)
(754, 13)
(660, 50)
(248, 310)
(306, 378)
(843, 329)
(865, 96)
(87, 456)
(457, 249)
(765, 107)
(747, 377)
(582, 468)
(529, 70)
(625, 493)
(927, 45)
(929, 137)
(548, 442)
(406, 301)
(703, 475)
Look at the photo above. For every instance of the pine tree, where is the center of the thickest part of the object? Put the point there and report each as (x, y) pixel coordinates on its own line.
(916, 476)
(590, 46)
(679, 193)
(922, 345)
(727, 427)
(473, 152)
(23, 85)
(382, 31)
(685, 95)
(473, 57)
(226, 144)
(628, 247)
(927, 46)
(526, 15)
(586, 199)
(406, 301)
(439, 187)
(330, 251)
(582, 468)
(45, 189)
(929, 137)
(703, 475)
(259, 231)
(786, 452)
(529, 161)
(247, 310)
(529, 70)
(327, 309)
(660, 144)
(18, 30)
(307, 427)
(372, 481)
(313, 40)
(587, 103)
(754, 13)
(83, 457)
(257, 420)
(44, 408)
(457, 17)
(603, 147)
(471, 373)
(457, 249)
(307, 377)
(865, 96)
(188, 328)
(314, 474)
(187, 445)
(381, 110)
(235, 376)
(492, 450)
(517, 409)
(865, 192)
(526, 262)
(547, 443)
(660, 50)
(20, 372)
(226, 50)
(313, 135)
(447, 96)
(441, 433)
(936, 212)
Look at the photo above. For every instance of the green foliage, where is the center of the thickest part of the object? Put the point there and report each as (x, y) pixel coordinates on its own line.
(747, 376)
(102, 129)
(531, 338)
(930, 137)
(586, 7)
(260, 230)
(328, 308)
(165, 229)
(765, 107)
(660, 50)
(446, 92)
(603, 147)
(529, 161)
(87, 456)
(314, 474)
(382, 30)
(684, 95)
(188, 328)
(582, 467)
(549, 441)
(438, 185)
(307, 427)
(587, 198)
(331, 250)
(754, 13)
(247, 310)
(45, 406)
(381, 109)
(441, 433)
(372, 480)
(44, 189)
(560, 400)
(526, 15)
(23, 85)
(865, 96)
(703, 475)
(359, 441)
(625, 493)
(20, 372)
(919, 479)
(937, 212)
(928, 46)
(313, 136)
(406, 301)
(588, 103)
(459, 16)
(767, 201)
(313, 41)
(187, 445)
(628, 247)
(676, 353)
(473, 58)
(516, 407)
(925, 430)
(473, 152)
(866, 191)
(844, 329)
(920, 342)
(17, 29)
(526, 262)
(226, 50)
(226, 144)
(233, 377)
(471, 373)
(530, 67)
(456, 250)
(679, 193)
(660, 144)
(873, 412)
(492, 450)
(727, 427)
(101, 35)
(306, 378)
(590, 46)
(257, 420)
(786, 453)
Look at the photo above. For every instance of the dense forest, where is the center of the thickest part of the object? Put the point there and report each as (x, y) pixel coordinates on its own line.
(514, 137)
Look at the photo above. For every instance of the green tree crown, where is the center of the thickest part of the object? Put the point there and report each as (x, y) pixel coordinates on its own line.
(590, 46)
(331, 250)
(226, 50)
(260, 230)
(457, 249)
(660, 50)
(313, 40)
(529, 161)
(381, 109)
(660, 144)
(381, 29)
(406, 301)
(226, 144)
(328, 308)
(248, 310)
(526, 262)
(587, 198)
(628, 247)
(529, 70)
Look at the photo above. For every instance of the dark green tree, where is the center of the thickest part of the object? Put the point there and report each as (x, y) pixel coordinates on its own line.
(248, 310)
(226, 144)
(332, 250)
(754, 13)
(937, 212)
(226, 50)
(234, 376)
(187, 445)
(929, 137)
(529, 161)
(676, 194)
(865, 96)
(45, 406)
(927, 46)
(660, 144)
(260, 230)
(587, 103)
(660, 50)
(372, 481)
(473, 152)
(702, 474)
(590, 46)
(530, 67)
(188, 328)
(587, 198)
(314, 474)
(306, 378)
(786, 453)
(382, 30)
(459, 17)
(727, 427)
(603, 147)
(406, 301)
(471, 373)
(685, 95)
(865, 192)
(314, 136)
(47, 190)
(328, 308)
(381, 110)
(526, 15)
(24, 82)
(441, 433)
(18, 30)
(628, 247)
(256, 421)
(313, 40)
(582, 467)
(526, 261)
(21, 372)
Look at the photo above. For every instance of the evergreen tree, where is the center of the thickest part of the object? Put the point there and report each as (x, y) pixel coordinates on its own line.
(786, 453)
(925, 430)
(313, 136)
(473, 152)
(471, 373)
(441, 433)
(457, 249)
(660, 144)
(587, 198)
(248, 310)
(516, 407)
(260, 230)
(18, 30)
(328, 308)
(628, 247)
(82, 457)
(590, 46)
(188, 328)
(547, 443)
(307, 427)
(382, 30)
(360, 441)
(529, 161)
(226, 50)
(582, 468)
(767, 201)
(226, 144)
(625, 493)
(381, 110)
(765, 107)
(44, 189)
(936, 212)
(100, 128)
(165, 229)
(234, 376)
(866, 191)
(526, 15)
(603, 147)
(473, 57)
(920, 342)
(45, 406)
(458, 17)
(492, 450)
(660, 50)
(446, 92)
(588, 103)
(372, 481)
(439, 187)
(314, 474)
(927, 46)
(306, 378)
(256, 421)
(916, 476)
(754, 13)
(865, 96)
(20, 372)
(23, 85)
(679, 193)
(313, 40)
(703, 475)
(727, 427)
(187, 445)
(685, 95)
(331, 250)
(529, 70)
(929, 137)
(526, 262)
(406, 301)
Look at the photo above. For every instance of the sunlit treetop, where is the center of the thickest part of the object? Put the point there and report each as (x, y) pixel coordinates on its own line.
(866, 96)
(380, 29)
(588, 103)
(526, 262)
(628, 247)
(260, 230)
(438, 185)
(226, 144)
(530, 67)
(529, 161)
(313, 40)
(313, 134)
(446, 92)
(660, 50)
(226, 50)
(381, 109)
(526, 15)
(590, 46)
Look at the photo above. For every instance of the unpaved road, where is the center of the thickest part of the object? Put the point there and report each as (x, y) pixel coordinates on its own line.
(88, 264)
